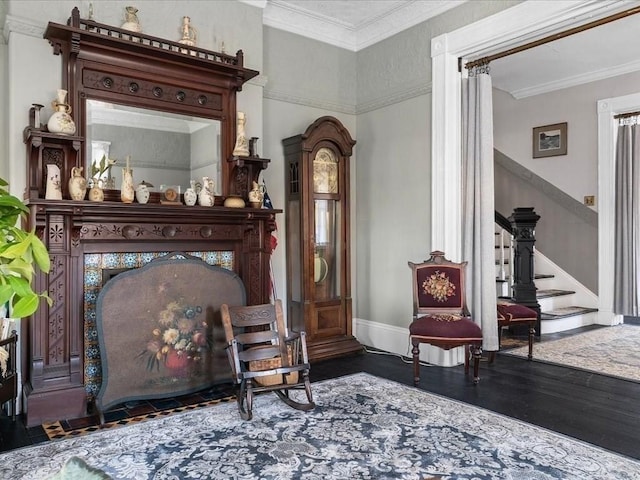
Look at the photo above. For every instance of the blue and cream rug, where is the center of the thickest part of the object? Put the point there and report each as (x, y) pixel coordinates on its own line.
(610, 351)
(363, 427)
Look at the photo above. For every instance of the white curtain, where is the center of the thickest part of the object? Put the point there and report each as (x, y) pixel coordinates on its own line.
(478, 247)
(627, 220)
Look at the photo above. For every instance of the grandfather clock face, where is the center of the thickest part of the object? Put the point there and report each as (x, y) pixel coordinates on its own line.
(325, 171)
(326, 190)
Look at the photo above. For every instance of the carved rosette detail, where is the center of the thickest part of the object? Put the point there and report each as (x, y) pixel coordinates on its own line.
(131, 86)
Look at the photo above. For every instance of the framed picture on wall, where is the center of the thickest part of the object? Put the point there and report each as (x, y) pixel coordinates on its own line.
(550, 140)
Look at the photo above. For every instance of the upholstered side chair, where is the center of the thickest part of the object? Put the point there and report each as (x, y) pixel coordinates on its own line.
(440, 316)
(512, 314)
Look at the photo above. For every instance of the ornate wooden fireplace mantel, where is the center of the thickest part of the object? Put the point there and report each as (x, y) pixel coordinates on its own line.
(58, 343)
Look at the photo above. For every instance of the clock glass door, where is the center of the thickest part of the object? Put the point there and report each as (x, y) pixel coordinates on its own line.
(327, 222)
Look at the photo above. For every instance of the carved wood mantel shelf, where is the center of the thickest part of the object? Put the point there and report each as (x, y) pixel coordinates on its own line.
(72, 229)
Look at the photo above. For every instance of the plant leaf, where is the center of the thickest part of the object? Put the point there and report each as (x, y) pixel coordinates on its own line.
(25, 307)
(40, 254)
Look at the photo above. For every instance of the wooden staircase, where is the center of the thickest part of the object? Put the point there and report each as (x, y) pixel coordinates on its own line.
(564, 303)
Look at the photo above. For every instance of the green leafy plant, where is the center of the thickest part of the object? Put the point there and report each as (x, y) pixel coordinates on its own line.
(20, 253)
(98, 169)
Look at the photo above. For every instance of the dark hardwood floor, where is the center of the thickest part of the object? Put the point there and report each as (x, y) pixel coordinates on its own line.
(597, 409)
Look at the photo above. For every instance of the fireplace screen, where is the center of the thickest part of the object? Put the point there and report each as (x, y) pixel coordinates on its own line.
(100, 267)
(159, 329)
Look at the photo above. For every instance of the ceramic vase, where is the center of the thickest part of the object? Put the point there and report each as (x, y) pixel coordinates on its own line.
(96, 194)
(60, 120)
(256, 196)
(127, 192)
(206, 197)
(77, 184)
(53, 189)
(190, 195)
(142, 193)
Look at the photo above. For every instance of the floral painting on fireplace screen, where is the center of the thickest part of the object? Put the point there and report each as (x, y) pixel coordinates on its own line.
(99, 268)
(160, 331)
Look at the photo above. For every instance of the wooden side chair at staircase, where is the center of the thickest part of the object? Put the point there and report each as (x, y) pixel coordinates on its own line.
(264, 358)
(440, 316)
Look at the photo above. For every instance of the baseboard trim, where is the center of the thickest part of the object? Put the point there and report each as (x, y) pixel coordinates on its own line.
(396, 340)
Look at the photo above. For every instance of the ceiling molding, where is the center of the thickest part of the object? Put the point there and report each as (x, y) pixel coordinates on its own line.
(23, 26)
(293, 18)
(576, 80)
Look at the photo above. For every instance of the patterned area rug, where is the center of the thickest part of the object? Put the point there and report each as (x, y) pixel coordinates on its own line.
(610, 351)
(363, 427)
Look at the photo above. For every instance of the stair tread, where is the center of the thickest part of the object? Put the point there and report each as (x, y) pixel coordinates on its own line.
(563, 312)
(553, 293)
(543, 275)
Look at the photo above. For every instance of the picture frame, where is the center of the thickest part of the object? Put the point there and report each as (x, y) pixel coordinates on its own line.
(550, 140)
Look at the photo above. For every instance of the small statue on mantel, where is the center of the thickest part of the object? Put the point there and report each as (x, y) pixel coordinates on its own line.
(242, 145)
(131, 21)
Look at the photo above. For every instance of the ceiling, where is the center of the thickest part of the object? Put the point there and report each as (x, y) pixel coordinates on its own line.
(605, 51)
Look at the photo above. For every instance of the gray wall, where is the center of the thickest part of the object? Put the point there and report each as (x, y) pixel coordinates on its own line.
(567, 232)
(393, 186)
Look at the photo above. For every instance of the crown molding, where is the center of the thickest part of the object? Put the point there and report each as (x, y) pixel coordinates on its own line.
(576, 80)
(289, 18)
(281, 15)
(23, 26)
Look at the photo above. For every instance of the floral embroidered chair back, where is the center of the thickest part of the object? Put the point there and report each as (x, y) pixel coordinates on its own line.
(438, 286)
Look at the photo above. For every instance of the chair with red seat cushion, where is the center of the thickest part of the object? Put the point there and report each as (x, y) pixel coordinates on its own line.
(440, 316)
(512, 314)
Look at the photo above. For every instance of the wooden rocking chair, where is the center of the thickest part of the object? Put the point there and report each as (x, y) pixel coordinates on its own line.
(263, 358)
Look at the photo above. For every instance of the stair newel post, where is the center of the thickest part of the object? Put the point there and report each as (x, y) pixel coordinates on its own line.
(523, 223)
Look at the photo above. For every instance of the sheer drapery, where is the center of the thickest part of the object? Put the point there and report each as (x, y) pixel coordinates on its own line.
(478, 246)
(627, 220)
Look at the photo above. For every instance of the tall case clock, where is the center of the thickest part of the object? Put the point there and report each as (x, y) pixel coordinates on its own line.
(318, 237)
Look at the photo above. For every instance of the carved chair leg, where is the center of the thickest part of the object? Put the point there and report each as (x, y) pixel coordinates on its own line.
(477, 354)
(532, 332)
(416, 361)
(467, 356)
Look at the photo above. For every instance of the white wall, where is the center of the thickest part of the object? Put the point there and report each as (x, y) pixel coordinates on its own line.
(577, 172)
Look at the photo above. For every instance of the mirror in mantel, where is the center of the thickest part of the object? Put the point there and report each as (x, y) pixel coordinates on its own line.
(164, 148)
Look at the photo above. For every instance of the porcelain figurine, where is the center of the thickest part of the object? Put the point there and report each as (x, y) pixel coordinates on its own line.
(54, 188)
(206, 197)
(60, 120)
(131, 21)
(127, 192)
(241, 148)
(77, 184)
